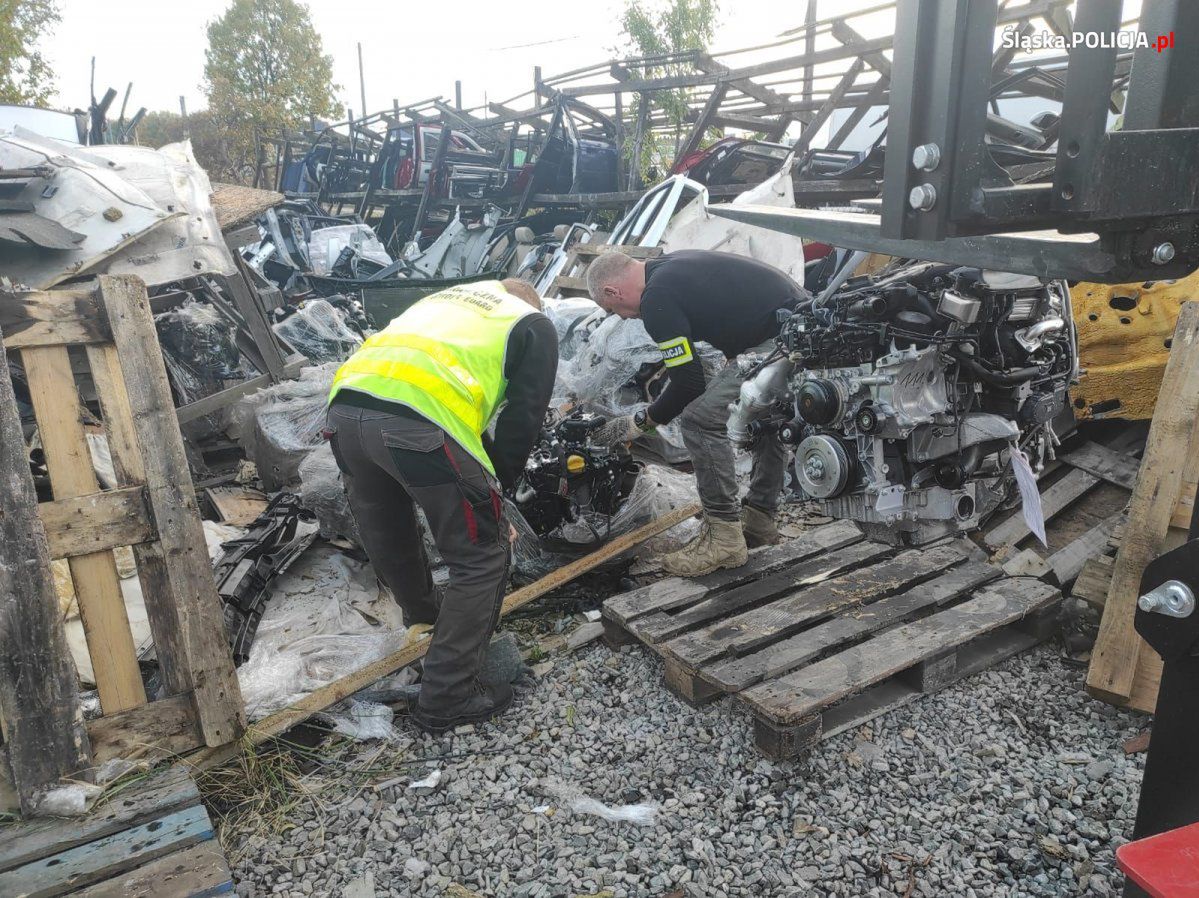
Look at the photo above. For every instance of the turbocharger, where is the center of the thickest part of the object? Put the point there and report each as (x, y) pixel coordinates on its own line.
(758, 395)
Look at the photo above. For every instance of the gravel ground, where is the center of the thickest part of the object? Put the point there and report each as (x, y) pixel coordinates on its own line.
(1012, 782)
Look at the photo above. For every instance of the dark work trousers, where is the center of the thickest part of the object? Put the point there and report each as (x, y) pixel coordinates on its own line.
(390, 463)
(704, 423)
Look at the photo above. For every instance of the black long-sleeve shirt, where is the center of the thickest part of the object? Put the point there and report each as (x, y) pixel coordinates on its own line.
(728, 301)
(530, 364)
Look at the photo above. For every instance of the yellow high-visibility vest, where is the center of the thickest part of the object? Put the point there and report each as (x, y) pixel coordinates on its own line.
(444, 359)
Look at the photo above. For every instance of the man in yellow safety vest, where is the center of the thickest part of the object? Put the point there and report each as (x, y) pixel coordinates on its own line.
(408, 421)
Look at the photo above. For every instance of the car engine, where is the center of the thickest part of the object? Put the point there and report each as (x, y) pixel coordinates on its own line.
(570, 480)
(904, 394)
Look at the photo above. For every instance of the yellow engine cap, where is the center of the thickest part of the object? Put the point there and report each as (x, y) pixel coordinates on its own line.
(575, 463)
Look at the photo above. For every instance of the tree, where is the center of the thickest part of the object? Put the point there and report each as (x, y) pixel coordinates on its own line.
(162, 127)
(265, 70)
(665, 28)
(25, 75)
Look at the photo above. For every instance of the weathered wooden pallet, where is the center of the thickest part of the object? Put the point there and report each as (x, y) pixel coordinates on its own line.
(152, 839)
(829, 630)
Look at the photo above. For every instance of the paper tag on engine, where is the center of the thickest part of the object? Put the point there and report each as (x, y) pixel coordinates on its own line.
(1030, 496)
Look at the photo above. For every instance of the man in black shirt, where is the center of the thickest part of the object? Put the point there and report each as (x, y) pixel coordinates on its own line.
(730, 302)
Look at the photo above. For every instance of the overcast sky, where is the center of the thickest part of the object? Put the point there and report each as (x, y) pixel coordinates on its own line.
(412, 50)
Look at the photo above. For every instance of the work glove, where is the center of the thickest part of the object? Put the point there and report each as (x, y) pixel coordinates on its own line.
(616, 431)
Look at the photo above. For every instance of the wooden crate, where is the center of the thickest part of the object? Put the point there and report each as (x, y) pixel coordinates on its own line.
(154, 838)
(108, 325)
(830, 629)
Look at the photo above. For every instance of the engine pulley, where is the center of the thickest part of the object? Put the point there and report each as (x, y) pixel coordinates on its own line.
(819, 402)
(822, 465)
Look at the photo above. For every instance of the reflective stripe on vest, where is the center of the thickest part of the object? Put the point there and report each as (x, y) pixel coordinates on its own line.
(443, 358)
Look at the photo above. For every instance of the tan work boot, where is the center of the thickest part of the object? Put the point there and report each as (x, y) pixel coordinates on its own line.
(719, 544)
(758, 527)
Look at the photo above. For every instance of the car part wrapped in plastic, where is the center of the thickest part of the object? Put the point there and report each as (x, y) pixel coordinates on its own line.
(324, 495)
(320, 330)
(199, 349)
(280, 425)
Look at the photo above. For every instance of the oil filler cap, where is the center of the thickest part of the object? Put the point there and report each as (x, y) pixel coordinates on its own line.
(575, 464)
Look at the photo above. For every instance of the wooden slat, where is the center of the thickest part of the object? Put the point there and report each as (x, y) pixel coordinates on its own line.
(775, 660)
(155, 730)
(166, 791)
(101, 605)
(1094, 580)
(1074, 485)
(1107, 464)
(93, 523)
(370, 673)
(1068, 561)
(52, 318)
(40, 715)
(658, 627)
(674, 592)
(106, 857)
(1184, 511)
(744, 633)
(805, 692)
(191, 594)
(197, 872)
(1171, 454)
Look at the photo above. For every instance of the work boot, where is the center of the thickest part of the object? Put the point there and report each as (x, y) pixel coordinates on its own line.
(719, 544)
(485, 702)
(758, 527)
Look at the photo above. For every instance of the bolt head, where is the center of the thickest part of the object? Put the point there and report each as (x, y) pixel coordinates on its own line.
(923, 197)
(926, 157)
(1163, 253)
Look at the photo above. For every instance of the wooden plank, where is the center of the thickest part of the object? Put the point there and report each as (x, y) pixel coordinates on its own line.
(93, 523)
(196, 872)
(691, 144)
(828, 107)
(199, 631)
(1107, 464)
(348, 685)
(52, 318)
(674, 592)
(1075, 484)
(1184, 511)
(1094, 580)
(775, 660)
(807, 691)
(155, 730)
(165, 791)
(1171, 454)
(237, 504)
(106, 857)
(744, 633)
(1068, 561)
(591, 250)
(101, 605)
(40, 716)
(659, 627)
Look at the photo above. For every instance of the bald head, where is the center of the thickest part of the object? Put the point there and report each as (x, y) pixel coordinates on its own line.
(615, 283)
(522, 290)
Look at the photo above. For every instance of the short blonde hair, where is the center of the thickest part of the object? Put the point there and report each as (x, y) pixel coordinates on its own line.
(522, 290)
(607, 267)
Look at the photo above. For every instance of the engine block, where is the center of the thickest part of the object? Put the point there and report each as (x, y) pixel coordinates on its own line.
(905, 394)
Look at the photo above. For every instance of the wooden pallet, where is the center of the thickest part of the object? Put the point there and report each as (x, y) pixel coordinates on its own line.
(108, 324)
(154, 838)
(828, 630)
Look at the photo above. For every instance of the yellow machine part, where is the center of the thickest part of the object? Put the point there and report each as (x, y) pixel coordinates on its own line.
(1124, 333)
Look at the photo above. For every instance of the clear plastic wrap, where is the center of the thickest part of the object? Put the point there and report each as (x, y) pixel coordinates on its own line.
(569, 317)
(326, 617)
(609, 358)
(326, 244)
(658, 490)
(199, 349)
(319, 330)
(280, 425)
(323, 494)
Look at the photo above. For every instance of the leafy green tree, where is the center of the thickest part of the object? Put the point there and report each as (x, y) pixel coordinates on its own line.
(265, 70)
(162, 127)
(665, 28)
(25, 74)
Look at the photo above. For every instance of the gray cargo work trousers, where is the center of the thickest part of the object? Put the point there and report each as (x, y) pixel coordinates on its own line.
(704, 423)
(389, 464)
